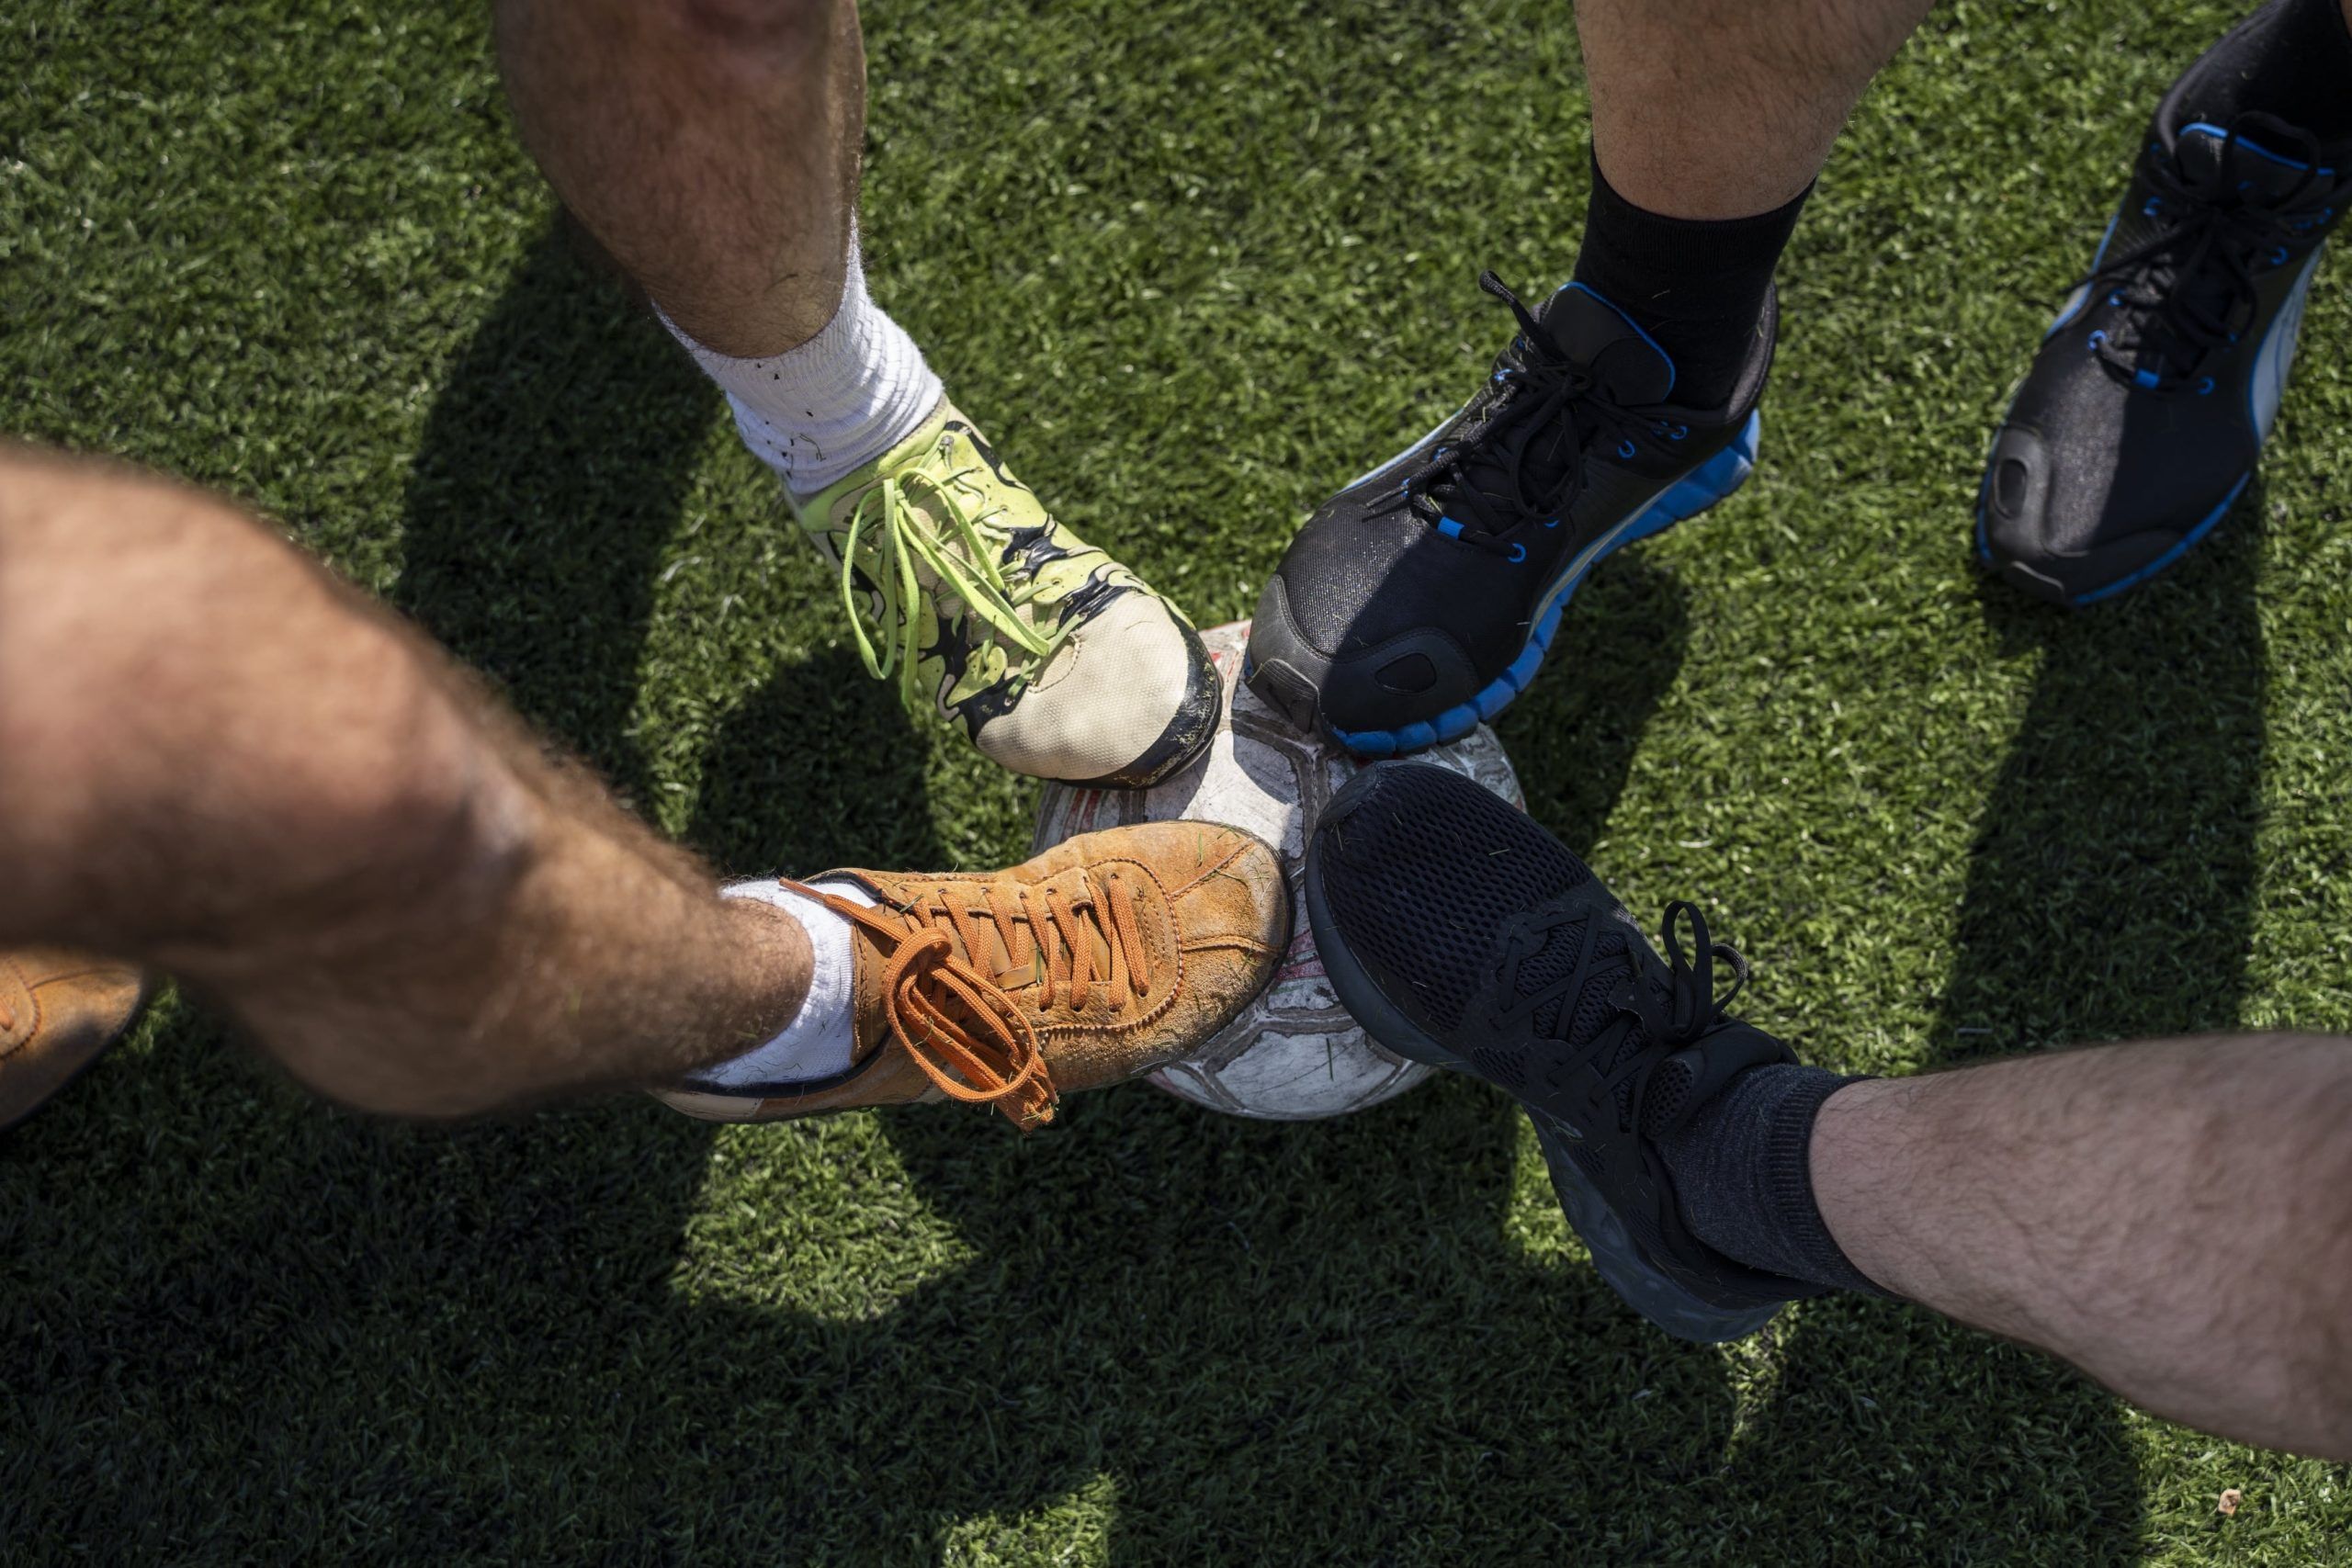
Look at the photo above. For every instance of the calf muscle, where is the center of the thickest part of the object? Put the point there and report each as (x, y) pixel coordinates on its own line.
(226, 764)
(2174, 1217)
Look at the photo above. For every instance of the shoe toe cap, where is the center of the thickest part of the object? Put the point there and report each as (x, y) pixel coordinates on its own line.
(1233, 917)
(1126, 701)
(2062, 524)
(1353, 685)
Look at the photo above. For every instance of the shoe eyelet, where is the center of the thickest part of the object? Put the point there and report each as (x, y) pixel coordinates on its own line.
(1626, 447)
(2205, 387)
(1553, 524)
(2156, 205)
(1519, 552)
(2279, 256)
(2097, 342)
(1681, 433)
(2116, 297)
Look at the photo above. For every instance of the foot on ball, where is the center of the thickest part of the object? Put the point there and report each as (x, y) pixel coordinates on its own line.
(1459, 933)
(1106, 957)
(1057, 660)
(1421, 599)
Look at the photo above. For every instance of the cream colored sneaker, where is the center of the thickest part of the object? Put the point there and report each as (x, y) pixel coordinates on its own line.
(1057, 660)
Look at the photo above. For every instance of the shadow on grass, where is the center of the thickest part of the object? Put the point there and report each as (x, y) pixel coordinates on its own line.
(232, 1323)
(545, 494)
(2110, 896)
(242, 1325)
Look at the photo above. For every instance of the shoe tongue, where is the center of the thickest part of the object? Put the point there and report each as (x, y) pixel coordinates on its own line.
(2207, 155)
(1631, 368)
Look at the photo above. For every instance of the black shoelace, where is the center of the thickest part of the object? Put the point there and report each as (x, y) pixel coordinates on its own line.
(2189, 286)
(1516, 460)
(1644, 1028)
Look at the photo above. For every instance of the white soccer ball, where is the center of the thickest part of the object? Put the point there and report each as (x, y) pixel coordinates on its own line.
(1294, 1055)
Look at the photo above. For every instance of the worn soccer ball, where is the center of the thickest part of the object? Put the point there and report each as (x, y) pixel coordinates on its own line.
(1294, 1055)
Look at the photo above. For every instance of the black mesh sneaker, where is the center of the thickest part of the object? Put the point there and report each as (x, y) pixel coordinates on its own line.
(1421, 599)
(2141, 420)
(1458, 932)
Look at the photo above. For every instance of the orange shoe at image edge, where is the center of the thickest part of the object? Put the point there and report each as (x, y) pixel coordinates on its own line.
(1105, 957)
(58, 1011)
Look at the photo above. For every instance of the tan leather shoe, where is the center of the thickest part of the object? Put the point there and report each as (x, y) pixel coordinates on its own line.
(58, 1010)
(1108, 956)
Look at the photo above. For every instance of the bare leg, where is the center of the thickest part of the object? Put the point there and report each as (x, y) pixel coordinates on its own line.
(710, 145)
(1725, 108)
(222, 763)
(2174, 1217)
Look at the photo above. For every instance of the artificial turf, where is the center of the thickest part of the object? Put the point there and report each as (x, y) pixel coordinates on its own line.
(1193, 262)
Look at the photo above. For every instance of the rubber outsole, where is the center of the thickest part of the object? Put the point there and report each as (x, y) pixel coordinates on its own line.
(1712, 482)
(1614, 1252)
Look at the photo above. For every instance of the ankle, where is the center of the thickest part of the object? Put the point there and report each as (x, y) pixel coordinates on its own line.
(810, 1032)
(1742, 1174)
(1697, 285)
(820, 412)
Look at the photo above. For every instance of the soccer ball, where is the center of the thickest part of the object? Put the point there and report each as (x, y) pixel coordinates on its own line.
(1294, 1055)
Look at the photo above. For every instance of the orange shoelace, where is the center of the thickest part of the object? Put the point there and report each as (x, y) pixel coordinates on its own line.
(957, 1023)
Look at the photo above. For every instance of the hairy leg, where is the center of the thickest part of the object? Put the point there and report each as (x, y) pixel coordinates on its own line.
(2174, 1217)
(1726, 109)
(711, 147)
(222, 763)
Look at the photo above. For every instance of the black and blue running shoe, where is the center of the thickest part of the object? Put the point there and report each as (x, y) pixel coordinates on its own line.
(2146, 406)
(1420, 600)
(1459, 933)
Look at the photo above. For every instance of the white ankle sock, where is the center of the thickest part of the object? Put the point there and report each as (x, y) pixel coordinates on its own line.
(819, 1040)
(840, 399)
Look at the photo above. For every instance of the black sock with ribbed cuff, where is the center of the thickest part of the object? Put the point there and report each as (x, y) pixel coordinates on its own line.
(1696, 286)
(1743, 1176)
(2292, 59)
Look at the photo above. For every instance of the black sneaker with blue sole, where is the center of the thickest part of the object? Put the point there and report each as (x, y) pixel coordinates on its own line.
(1459, 933)
(1420, 600)
(2147, 405)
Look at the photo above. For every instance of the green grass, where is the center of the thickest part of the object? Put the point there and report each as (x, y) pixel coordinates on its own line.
(1193, 262)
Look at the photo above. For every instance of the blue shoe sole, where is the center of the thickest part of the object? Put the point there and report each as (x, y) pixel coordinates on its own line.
(1686, 497)
(1614, 1253)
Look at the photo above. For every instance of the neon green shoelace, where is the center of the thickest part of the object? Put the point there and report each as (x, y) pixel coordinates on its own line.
(904, 538)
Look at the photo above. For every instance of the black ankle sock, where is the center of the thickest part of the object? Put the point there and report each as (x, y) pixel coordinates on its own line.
(2292, 59)
(1743, 1176)
(1696, 286)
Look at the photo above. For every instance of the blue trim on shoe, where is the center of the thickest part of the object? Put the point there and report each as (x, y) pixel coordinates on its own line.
(2216, 133)
(2132, 579)
(1694, 492)
(2170, 555)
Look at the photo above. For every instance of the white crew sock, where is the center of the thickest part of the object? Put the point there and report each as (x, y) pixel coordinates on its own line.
(840, 399)
(820, 1038)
